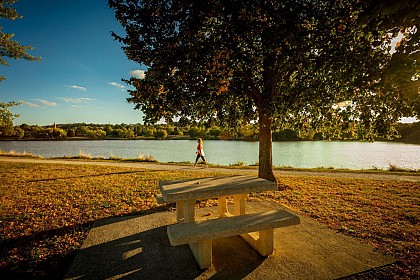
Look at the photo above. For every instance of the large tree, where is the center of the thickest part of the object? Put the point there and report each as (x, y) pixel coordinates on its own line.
(8, 47)
(292, 63)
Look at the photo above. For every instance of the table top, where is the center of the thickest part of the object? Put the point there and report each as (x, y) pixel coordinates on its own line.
(211, 187)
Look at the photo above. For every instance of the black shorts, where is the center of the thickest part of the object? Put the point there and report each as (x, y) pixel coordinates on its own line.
(199, 156)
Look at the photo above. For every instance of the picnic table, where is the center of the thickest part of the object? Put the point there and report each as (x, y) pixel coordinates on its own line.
(255, 228)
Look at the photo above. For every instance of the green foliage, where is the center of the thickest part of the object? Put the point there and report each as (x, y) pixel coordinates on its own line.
(59, 133)
(71, 133)
(293, 61)
(160, 134)
(285, 135)
(19, 132)
(6, 118)
(8, 47)
(215, 131)
(409, 132)
(196, 132)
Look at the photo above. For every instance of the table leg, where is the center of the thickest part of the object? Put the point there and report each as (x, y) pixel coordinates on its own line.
(263, 241)
(202, 252)
(222, 207)
(239, 204)
(185, 211)
(180, 211)
(189, 210)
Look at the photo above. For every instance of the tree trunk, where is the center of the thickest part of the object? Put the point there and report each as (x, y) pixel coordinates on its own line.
(265, 170)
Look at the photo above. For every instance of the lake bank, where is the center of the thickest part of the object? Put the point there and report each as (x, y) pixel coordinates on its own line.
(413, 176)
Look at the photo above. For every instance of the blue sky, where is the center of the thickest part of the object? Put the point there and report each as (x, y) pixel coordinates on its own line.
(79, 76)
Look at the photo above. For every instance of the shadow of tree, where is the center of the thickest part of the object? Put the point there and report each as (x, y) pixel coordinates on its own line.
(13, 266)
(149, 255)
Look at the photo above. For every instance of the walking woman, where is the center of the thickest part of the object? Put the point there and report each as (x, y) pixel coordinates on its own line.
(200, 152)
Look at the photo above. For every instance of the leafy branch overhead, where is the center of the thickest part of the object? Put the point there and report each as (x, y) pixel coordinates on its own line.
(228, 60)
(10, 48)
(315, 65)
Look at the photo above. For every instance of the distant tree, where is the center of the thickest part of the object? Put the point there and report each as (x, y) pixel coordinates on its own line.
(19, 132)
(45, 133)
(59, 133)
(8, 47)
(215, 131)
(108, 130)
(160, 134)
(82, 130)
(301, 64)
(71, 132)
(318, 136)
(96, 133)
(148, 131)
(248, 132)
(195, 132)
(6, 118)
(25, 127)
(285, 135)
(100, 133)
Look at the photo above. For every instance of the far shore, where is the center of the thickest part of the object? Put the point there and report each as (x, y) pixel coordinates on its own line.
(173, 137)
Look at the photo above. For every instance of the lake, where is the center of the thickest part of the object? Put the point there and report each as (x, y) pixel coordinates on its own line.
(300, 154)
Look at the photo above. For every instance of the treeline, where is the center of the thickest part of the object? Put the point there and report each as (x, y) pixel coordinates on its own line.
(408, 132)
(129, 131)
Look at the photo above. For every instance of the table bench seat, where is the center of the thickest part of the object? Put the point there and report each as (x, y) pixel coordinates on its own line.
(200, 233)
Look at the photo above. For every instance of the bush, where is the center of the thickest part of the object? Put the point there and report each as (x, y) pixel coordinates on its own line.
(160, 134)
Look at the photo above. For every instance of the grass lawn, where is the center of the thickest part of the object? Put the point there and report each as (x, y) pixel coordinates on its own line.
(47, 210)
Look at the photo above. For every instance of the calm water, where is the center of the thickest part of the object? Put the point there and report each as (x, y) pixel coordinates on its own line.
(351, 155)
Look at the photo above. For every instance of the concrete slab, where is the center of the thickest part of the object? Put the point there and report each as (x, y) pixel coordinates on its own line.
(138, 247)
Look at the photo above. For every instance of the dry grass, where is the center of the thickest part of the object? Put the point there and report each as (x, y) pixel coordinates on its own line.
(47, 210)
(20, 154)
(385, 214)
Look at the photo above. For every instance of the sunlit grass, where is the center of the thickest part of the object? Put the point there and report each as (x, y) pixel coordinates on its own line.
(47, 210)
(18, 154)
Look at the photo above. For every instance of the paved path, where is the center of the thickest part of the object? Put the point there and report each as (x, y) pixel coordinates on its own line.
(137, 247)
(158, 166)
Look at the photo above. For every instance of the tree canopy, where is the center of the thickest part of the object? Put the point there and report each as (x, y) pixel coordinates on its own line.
(8, 47)
(402, 74)
(321, 65)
